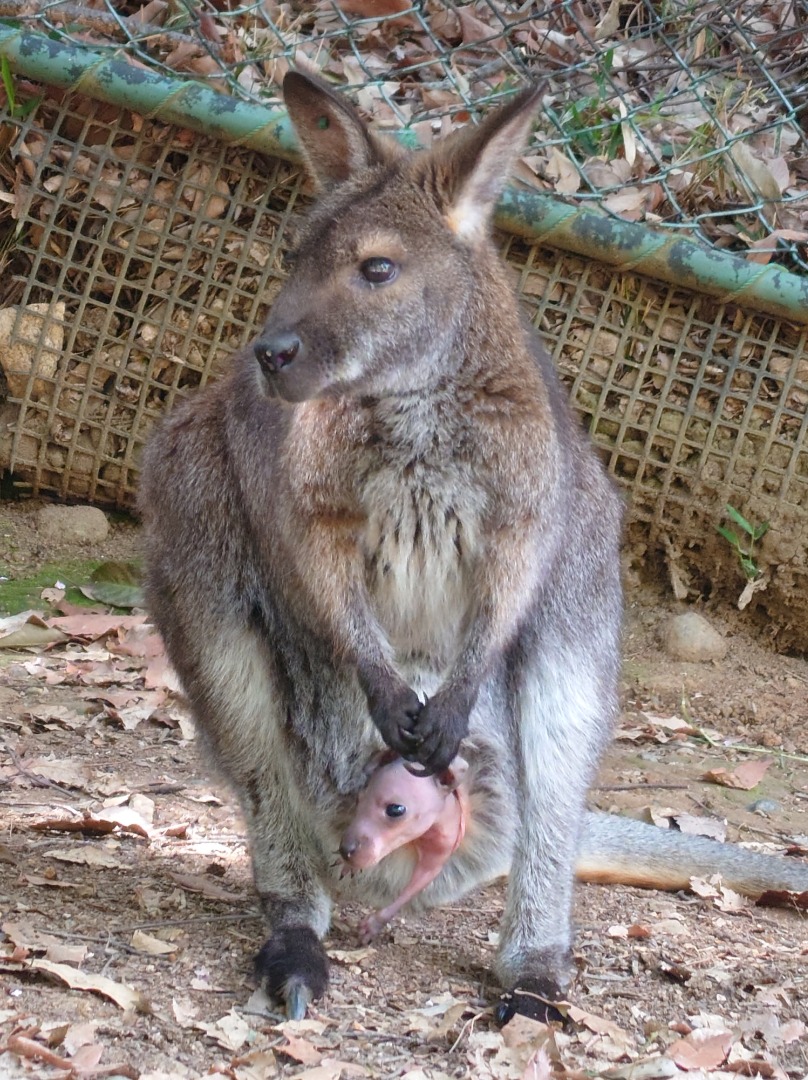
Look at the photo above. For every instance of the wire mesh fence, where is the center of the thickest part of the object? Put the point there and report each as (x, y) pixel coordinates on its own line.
(689, 114)
(136, 257)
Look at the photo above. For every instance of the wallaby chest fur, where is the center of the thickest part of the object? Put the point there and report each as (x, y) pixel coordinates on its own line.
(383, 528)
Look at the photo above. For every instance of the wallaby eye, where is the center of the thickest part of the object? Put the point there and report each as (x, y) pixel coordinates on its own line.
(378, 271)
(395, 809)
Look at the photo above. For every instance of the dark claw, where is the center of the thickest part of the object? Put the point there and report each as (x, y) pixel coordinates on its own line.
(298, 997)
(412, 768)
(411, 737)
(292, 968)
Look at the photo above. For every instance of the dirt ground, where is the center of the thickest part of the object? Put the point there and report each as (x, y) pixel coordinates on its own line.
(128, 952)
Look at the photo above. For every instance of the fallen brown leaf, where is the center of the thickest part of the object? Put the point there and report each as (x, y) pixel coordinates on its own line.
(701, 1049)
(300, 1050)
(744, 776)
(123, 996)
(199, 883)
(784, 899)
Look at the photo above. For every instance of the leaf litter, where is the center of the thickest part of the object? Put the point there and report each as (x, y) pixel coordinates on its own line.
(155, 948)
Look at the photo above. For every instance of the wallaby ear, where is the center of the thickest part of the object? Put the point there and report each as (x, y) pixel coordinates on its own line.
(478, 161)
(335, 141)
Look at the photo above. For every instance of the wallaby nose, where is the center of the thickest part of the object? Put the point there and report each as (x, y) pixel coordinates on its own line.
(274, 353)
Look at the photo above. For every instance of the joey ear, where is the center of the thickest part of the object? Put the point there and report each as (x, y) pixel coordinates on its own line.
(452, 777)
(335, 141)
(478, 161)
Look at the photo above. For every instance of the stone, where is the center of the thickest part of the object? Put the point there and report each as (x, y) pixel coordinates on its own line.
(31, 339)
(691, 637)
(72, 524)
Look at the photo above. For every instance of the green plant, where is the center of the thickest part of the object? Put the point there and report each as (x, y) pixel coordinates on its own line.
(744, 544)
(17, 110)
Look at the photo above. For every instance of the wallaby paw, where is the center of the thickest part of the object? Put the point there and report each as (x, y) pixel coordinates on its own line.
(537, 999)
(395, 713)
(292, 968)
(442, 724)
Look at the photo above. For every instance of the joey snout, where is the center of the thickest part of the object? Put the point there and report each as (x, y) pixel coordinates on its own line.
(358, 851)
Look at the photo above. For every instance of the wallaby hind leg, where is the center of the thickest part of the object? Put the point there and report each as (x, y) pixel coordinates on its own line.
(241, 710)
(562, 724)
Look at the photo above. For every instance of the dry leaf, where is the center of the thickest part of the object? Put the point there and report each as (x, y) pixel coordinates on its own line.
(654, 1068)
(54, 883)
(123, 996)
(783, 898)
(716, 828)
(331, 1069)
(86, 855)
(154, 946)
(27, 630)
(301, 1050)
(200, 883)
(92, 626)
(601, 1026)
(78, 1035)
(351, 956)
(566, 178)
(231, 1031)
(745, 776)
(610, 23)
(59, 771)
(673, 927)
(701, 1049)
(184, 1012)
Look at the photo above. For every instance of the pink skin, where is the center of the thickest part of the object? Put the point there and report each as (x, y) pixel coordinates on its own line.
(433, 822)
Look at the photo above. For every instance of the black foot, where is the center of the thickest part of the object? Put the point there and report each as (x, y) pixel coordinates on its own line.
(534, 998)
(292, 968)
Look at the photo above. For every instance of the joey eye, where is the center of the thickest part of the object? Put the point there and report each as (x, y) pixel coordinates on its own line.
(395, 809)
(378, 271)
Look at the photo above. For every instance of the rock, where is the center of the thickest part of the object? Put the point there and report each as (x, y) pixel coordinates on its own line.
(691, 637)
(31, 339)
(72, 524)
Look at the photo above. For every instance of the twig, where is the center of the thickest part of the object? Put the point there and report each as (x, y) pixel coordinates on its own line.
(110, 942)
(641, 787)
(36, 779)
(699, 733)
(159, 924)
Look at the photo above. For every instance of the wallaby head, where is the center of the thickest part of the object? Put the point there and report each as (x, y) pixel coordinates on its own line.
(386, 278)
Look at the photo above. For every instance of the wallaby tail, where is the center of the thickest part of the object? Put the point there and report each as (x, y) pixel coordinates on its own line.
(623, 851)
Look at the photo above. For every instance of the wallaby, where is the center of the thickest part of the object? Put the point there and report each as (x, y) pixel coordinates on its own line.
(383, 526)
(431, 815)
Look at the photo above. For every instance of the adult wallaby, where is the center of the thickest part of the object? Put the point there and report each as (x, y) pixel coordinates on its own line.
(384, 527)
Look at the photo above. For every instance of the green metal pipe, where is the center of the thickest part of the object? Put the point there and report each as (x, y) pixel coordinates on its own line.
(625, 245)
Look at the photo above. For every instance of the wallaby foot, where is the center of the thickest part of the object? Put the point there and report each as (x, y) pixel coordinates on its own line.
(292, 968)
(533, 998)
(537, 991)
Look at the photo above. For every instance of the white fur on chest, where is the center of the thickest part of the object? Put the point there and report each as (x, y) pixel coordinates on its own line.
(420, 544)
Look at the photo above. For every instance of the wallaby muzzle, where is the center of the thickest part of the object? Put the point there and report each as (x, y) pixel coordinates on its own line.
(276, 351)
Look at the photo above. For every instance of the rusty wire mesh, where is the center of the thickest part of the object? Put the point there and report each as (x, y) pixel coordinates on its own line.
(143, 256)
(686, 114)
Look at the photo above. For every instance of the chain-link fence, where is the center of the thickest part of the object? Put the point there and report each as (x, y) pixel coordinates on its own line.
(137, 256)
(687, 113)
